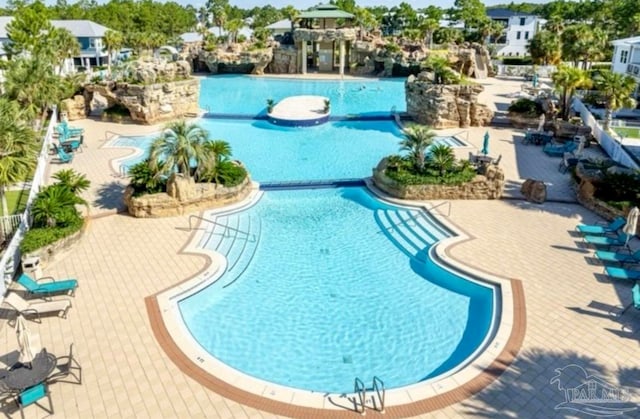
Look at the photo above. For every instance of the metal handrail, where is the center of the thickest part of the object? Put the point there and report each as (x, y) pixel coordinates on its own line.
(466, 135)
(448, 203)
(361, 391)
(216, 223)
(378, 386)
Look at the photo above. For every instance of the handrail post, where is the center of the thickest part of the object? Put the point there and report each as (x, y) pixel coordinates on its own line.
(361, 392)
(377, 384)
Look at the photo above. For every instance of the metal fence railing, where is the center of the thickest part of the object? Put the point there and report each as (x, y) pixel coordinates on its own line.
(8, 225)
(609, 143)
(11, 257)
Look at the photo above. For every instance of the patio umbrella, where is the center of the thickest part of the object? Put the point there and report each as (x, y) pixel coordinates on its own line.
(485, 144)
(632, 223)
(28, 343)
(541, 122)
(534, 80)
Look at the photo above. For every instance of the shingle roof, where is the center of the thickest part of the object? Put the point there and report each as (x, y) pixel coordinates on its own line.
(626, 41)
(325, 11)
(281, 24)
(78, 28)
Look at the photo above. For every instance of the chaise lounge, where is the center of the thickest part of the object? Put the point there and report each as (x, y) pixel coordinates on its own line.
(558, 150)
(618, 257)
(39, 288)
(635, 298)
(612, 227)
(36, 308)
(622, 273)
(621, 240)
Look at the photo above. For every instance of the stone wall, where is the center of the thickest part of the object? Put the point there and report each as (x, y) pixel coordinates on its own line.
(235, 59)
(487, 186)
(49, 252)
(319, 35)
(184, 196)
(285, 60)
(152, 103)
(445, 106)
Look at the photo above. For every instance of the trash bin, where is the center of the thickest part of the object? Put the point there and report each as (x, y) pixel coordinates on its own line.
(31, 266)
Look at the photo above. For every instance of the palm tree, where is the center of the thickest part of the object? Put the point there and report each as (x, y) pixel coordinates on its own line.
(566, 81)
(69, 178)
(178, 148)
(233, 27)
(113, 41)
(55, 205)
(545, 48)
(292, 14)
(442, 73)
(64, 46)
(32, 83)
(442, 158)
(416, 140)
(218, 152)
(428, 26)
(616, 90)
(18, 148)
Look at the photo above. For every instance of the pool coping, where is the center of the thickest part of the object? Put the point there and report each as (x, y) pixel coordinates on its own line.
(411, 400)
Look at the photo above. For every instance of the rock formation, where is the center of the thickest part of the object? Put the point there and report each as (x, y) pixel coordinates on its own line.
(534, 191)
(285, 60)
(184, 196)
(235, 59)
(489, 185)
(445, 106)
(153, 91)
(75, 108)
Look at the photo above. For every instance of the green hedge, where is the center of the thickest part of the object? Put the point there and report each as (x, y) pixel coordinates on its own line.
(37, 238)
(406, 175)
(517, 61)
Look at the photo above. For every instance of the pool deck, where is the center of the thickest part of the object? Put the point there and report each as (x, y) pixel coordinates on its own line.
(121, 261)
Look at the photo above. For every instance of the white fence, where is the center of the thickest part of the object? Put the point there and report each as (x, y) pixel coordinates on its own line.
(11, 257)
(9, 224)
(611, 145)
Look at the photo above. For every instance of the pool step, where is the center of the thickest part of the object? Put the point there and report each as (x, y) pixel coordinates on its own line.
(410, 231)
(235, 236)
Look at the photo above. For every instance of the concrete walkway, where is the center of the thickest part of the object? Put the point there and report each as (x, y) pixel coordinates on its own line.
(121, 260)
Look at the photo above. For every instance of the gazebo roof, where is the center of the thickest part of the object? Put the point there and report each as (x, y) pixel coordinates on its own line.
(326, 11)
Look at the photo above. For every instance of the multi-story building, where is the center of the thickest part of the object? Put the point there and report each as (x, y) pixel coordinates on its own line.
(519, 31)
(89, 35)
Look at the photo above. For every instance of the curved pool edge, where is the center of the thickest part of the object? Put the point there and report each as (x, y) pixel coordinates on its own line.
(494, 358)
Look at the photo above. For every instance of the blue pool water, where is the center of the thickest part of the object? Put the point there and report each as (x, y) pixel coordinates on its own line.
(327, 285)
(336, 150)
(245, 95)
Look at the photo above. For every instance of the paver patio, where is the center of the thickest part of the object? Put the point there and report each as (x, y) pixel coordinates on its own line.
(121, 260)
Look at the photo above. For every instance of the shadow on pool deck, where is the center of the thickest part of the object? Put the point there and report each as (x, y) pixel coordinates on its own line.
(109, 196)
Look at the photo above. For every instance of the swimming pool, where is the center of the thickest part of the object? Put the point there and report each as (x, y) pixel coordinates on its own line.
(245, 95)
(272, 153)
(322, 286)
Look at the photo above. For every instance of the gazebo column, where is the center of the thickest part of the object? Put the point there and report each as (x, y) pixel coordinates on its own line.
(304, 57)
(341, 48)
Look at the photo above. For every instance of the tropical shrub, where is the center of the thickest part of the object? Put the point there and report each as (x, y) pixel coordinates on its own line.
(54, 211)
(526, 107)
(517, 60)
(405, 174)
(226, 173)
(619, 189)
(144, 179)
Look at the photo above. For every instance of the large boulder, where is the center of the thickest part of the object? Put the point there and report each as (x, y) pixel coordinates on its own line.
(534, 191)
(445, 106)
(75, 107)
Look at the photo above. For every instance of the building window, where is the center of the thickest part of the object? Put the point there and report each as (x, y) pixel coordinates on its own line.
(522, 20)
(526, 35)
(518, 35)
(624, 55)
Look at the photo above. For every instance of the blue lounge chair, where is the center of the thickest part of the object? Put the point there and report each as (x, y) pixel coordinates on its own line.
(621, 240)
(612, 227)
(558, 150)
(622, 258)
(71, 145)
(621, 273)
(71, 131)
(63, 156)
(635, 298)
(37, 287)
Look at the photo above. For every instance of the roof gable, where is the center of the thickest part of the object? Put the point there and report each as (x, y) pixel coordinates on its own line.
(78, 28)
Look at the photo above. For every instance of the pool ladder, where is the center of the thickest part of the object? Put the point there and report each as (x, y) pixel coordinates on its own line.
(361, 393)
